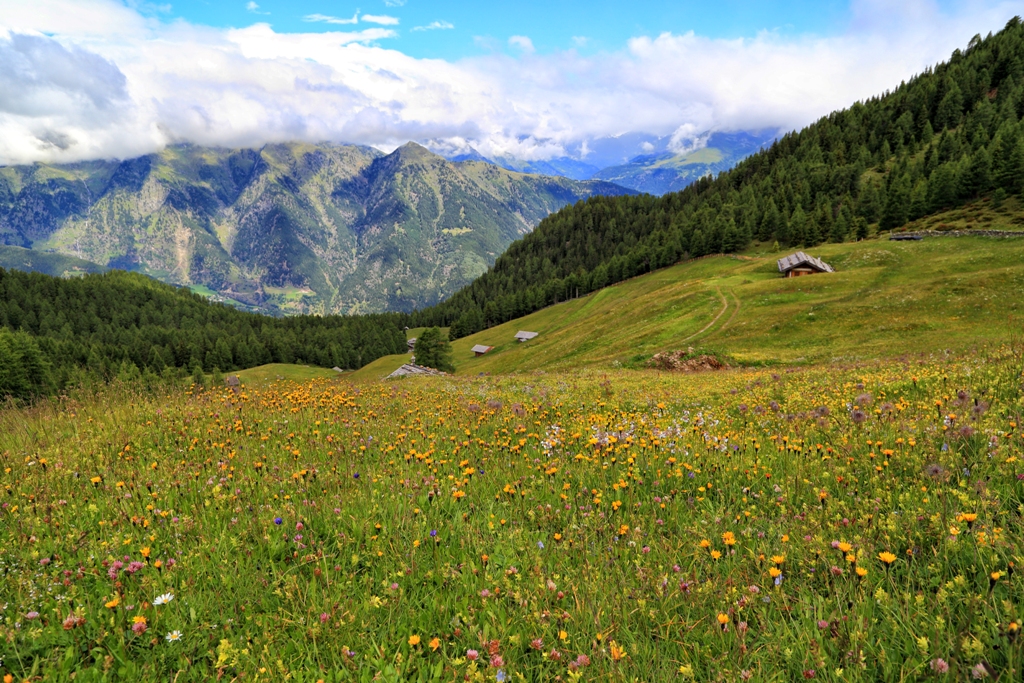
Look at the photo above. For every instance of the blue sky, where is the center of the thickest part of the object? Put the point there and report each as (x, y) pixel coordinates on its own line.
(586, 26)
(532, 79)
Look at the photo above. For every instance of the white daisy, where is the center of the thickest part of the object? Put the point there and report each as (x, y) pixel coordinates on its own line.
(173, 636)
(163, 599)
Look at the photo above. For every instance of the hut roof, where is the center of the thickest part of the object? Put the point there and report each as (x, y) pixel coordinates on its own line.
(413, 369)
(523, 334)
(480, 348)
(788, 263)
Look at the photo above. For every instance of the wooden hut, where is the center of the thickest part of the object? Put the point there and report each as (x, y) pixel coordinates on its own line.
(800, 263)
(523, 335)
(480, 349)
(411, 343)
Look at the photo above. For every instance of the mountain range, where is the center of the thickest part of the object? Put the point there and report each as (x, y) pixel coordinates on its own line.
(289, 228)
(641, 162)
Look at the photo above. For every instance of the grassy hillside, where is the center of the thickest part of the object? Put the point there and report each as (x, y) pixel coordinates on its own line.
(886, 299)
(590, 526)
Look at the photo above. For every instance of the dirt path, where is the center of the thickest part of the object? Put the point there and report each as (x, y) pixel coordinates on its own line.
(725, 307)
(734, 312)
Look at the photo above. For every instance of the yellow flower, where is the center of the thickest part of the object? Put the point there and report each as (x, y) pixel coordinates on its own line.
(618, 653)
(887, 557)
(562, 635)
(862, 572)
(138, 619)
(705, 543)
(414, 640)
(113, 603)
(845, 547)
(778, 559)
(715, 554)
(723, 619)
(785, 538)
(416, 543)
(774, 572)
(434, 643)
(145, 552)
(728, 538)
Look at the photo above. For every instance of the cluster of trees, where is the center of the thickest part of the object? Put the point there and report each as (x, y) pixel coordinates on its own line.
(57, 331)
(949, 136)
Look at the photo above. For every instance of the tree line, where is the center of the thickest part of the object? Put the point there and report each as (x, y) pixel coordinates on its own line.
(55, 332)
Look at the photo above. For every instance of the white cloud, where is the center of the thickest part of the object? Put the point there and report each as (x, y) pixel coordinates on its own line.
(94, 78)
(434, 26)
(327, 19)
(394, 3)
(521, 42)
(382, 19)
(254, 8)
(580, 41)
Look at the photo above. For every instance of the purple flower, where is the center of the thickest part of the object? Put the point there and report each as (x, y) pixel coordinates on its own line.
(278, 521)
(472, 655)
(355, 476)
(433, 533)
(32, 615)
(940, 666)
(324, 616)
(822, 624)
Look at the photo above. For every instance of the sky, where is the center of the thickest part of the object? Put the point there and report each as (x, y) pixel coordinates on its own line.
(86, 79)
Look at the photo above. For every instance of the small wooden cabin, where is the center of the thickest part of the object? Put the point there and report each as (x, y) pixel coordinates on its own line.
(523, 335)
(798, 264)
(411, 343)
(480, 349)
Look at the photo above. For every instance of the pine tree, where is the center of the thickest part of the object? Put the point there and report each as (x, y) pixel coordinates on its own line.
(433, 351)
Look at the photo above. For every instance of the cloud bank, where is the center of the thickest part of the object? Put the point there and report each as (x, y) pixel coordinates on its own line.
(94, 78)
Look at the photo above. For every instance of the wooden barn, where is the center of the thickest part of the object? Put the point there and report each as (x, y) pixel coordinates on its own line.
(480, 349)
(523, 335)
(800, 263)
(411, 343)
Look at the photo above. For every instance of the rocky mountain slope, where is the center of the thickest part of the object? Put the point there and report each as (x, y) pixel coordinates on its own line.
(669, 171)
(291, 228)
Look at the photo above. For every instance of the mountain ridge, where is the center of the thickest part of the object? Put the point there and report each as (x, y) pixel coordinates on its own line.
(290, 227)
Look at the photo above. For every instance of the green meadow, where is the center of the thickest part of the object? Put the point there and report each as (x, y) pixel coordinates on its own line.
(885, 299)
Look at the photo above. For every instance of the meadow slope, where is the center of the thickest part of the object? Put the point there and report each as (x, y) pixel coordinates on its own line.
(845, 522)
(886, 299)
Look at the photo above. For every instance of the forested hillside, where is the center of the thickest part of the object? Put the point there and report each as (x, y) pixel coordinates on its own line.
(947, 137)
(54, 332)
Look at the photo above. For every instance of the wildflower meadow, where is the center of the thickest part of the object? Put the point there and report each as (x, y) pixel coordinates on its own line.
(843, 522)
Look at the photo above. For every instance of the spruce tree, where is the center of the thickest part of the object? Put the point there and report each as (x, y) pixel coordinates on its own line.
(433, 351)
